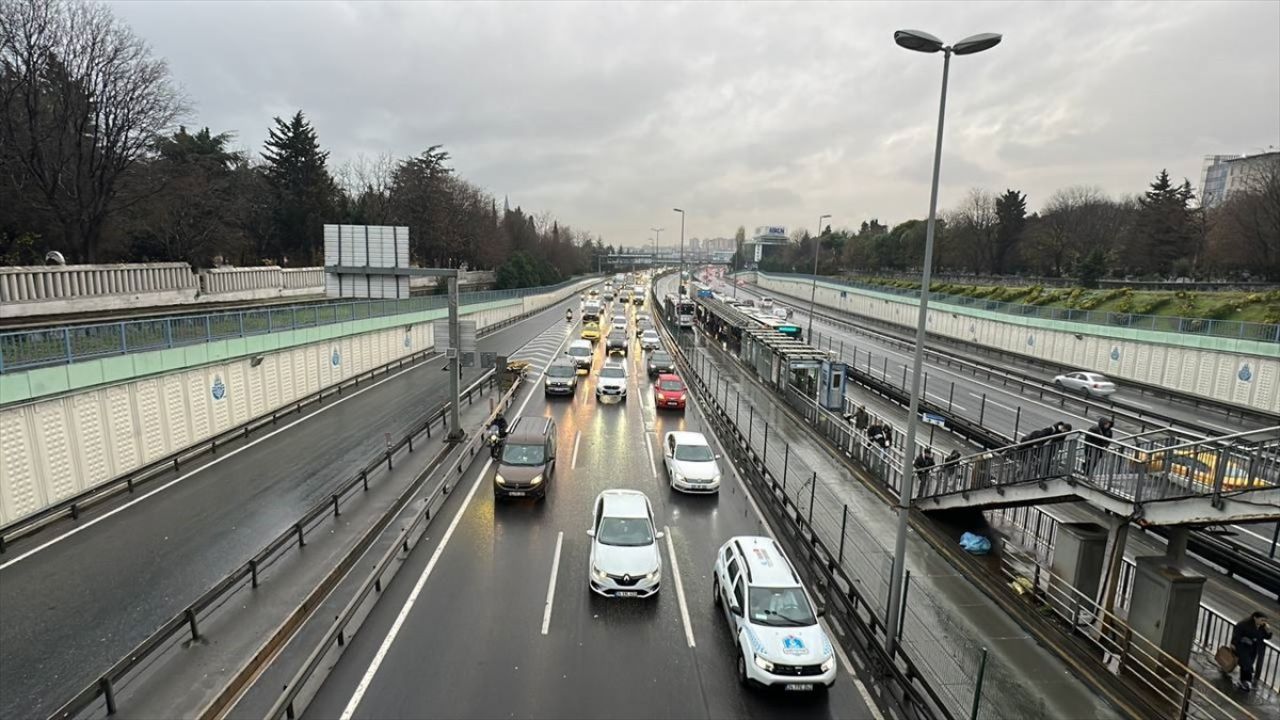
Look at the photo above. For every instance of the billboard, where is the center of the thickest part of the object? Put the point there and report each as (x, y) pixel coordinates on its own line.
(371, 246)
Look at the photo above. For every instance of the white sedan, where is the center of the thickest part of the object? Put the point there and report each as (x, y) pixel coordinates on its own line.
(690, 462)
(625, 559)
(649, 340)
(1090, 383)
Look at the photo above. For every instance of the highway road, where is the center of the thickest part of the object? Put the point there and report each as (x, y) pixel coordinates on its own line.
(493, 617)
(79, 595)
(1000, 410)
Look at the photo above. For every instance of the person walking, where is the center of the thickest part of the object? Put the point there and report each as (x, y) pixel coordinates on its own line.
(1099, 438)
(1248, 639)
(860, 418)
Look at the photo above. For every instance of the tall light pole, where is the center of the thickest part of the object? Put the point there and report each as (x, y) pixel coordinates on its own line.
(926, 43)
(813, 292)
(657, 233)
(681, 285)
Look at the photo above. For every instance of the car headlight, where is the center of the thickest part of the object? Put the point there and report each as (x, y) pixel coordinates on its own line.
(536, 480)
(498, 479)
(599, 574)
(763, 664)
(654, 575)
(680, 479)
(715, 480)
(829, 665)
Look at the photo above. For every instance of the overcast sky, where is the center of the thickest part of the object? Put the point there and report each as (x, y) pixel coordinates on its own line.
(610, 114)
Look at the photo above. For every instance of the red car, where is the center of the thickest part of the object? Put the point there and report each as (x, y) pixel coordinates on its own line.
(669, 392)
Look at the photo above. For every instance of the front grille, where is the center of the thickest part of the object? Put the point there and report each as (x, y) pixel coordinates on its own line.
(797, 670)
(624, 580)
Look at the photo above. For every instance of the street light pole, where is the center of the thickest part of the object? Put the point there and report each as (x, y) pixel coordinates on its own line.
(657, 233)
(813, 292)
(681, 283)
(921, 42)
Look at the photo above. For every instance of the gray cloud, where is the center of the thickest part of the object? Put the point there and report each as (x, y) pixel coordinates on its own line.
(608, 114)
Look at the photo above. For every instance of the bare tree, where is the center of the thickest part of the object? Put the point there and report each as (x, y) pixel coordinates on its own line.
(366, 182)
(1247, 231)
(81, 101)
(974, 232)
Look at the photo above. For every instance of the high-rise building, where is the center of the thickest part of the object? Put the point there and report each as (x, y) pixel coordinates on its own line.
(1222, 175)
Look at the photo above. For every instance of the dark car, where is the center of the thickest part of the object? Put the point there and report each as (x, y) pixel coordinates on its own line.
(527, 463)
(660, 362)
(617, 342)
(562, 378)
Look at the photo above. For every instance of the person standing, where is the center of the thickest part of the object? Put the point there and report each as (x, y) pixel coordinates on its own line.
(1248, 639)
(1098, 438)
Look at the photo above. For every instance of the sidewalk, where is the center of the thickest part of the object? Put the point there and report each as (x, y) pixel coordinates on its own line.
(948, 622)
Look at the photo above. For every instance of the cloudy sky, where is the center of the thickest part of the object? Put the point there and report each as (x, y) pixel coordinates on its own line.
(610, 114)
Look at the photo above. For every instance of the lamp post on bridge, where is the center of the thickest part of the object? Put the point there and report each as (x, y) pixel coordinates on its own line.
(657, 233)
(681, 283)
(813, 292)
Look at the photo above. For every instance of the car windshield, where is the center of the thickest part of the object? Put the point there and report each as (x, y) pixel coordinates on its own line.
(657, 359)
(613, 372)
(694, 453)
(625, 532)
(579, 351)
(650, 335)
(670, 385)
(514, 454)
(781, 607)
(559, 371)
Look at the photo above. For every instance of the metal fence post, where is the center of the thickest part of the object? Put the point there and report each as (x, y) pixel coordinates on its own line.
(786, 458)
(902, 609)
(751, 419)
(1017, 420)
(982, 409)
(977, 687)
(813, 490)
(844, 522)
(951, 395)
(764, 457)
(208, 328)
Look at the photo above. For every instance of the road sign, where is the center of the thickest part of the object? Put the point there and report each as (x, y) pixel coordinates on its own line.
(932, 419)
(468, 360)
(488, 360)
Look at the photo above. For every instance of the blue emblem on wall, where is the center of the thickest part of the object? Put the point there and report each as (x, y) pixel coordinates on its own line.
(218, 389)
(408, 339)
(973, 329)
(1115, 353)
(1245, 373)
(1031, 340)
(336, 359)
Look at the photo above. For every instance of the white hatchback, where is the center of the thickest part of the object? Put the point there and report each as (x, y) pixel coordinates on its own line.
(772, 617)
(690, 462)
(625, 558)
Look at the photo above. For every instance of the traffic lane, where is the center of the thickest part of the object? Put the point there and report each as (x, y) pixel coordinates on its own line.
(491, 585)
(82, 602)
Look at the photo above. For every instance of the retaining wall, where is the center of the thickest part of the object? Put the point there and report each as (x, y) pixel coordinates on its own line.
(54, 448)
(27, 291)
(1243, 372)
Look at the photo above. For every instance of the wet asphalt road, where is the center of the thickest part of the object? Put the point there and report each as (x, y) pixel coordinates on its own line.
(70, 610)
(472, 646)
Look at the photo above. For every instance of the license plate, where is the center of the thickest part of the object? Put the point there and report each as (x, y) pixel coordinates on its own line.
(516, 493)
(797, 686)
(625, 593)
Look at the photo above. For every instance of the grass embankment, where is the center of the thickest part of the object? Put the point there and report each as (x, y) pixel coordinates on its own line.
(1258, 307)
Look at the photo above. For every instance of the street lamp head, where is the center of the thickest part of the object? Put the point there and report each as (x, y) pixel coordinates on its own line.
(977, 43)
(677, 210)
(917, 40)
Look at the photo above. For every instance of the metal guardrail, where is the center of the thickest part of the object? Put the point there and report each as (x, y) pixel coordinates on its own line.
(63, 345)
(1262, 332)
(246, 575)
(128, 482)
(323, 656)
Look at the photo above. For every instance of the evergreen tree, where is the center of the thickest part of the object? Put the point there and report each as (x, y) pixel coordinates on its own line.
(1092, 267)
(1011, 220)
(302, 191)
(1166, 229)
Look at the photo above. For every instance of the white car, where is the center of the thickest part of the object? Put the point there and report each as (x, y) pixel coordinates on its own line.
(690, 462)
(772, 617)
(1090, 383)
(649, 340)
(581, 351)
(620, 322)
(625, 559)
(612, 381)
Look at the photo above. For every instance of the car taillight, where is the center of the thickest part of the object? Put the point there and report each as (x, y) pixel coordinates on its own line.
(1097, 385)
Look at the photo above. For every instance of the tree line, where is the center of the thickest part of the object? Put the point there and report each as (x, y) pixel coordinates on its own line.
(94, 164)
(1080, 232)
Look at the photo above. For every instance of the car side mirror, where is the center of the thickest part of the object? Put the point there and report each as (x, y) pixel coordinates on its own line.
(734, 607)
(591, 533)
(822, 611)
(718, 456)
(659, 535)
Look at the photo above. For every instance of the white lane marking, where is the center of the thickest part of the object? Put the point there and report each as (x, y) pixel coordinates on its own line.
(90, 523)
(991, 402)
(551, 585)
(365, 681)
(675, 573)
(577, 442)
(376, 663)
(957, 406)
(648, 448)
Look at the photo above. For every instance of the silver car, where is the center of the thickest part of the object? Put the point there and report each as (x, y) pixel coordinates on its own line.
(1089, 383)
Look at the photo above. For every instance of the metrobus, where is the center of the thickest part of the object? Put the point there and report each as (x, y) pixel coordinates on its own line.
(679, 310)
(786, 328)
(702, 291)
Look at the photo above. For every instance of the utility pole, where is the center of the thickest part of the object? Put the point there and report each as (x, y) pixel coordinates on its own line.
(657, 234)
(455, 361)
(681, 283)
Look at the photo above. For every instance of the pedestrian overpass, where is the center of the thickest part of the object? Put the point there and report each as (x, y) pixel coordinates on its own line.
(1154, 478)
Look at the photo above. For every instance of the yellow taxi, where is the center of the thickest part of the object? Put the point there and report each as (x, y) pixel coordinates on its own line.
(591, 331)
(1201, 468)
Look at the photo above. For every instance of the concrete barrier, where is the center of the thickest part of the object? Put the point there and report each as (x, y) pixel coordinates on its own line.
(1242, 372)
(55, 448)
(259, 283)
(28, 291)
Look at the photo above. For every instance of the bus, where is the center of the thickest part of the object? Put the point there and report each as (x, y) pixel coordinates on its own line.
(678, 310)
(702, 291)
(789, 329)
